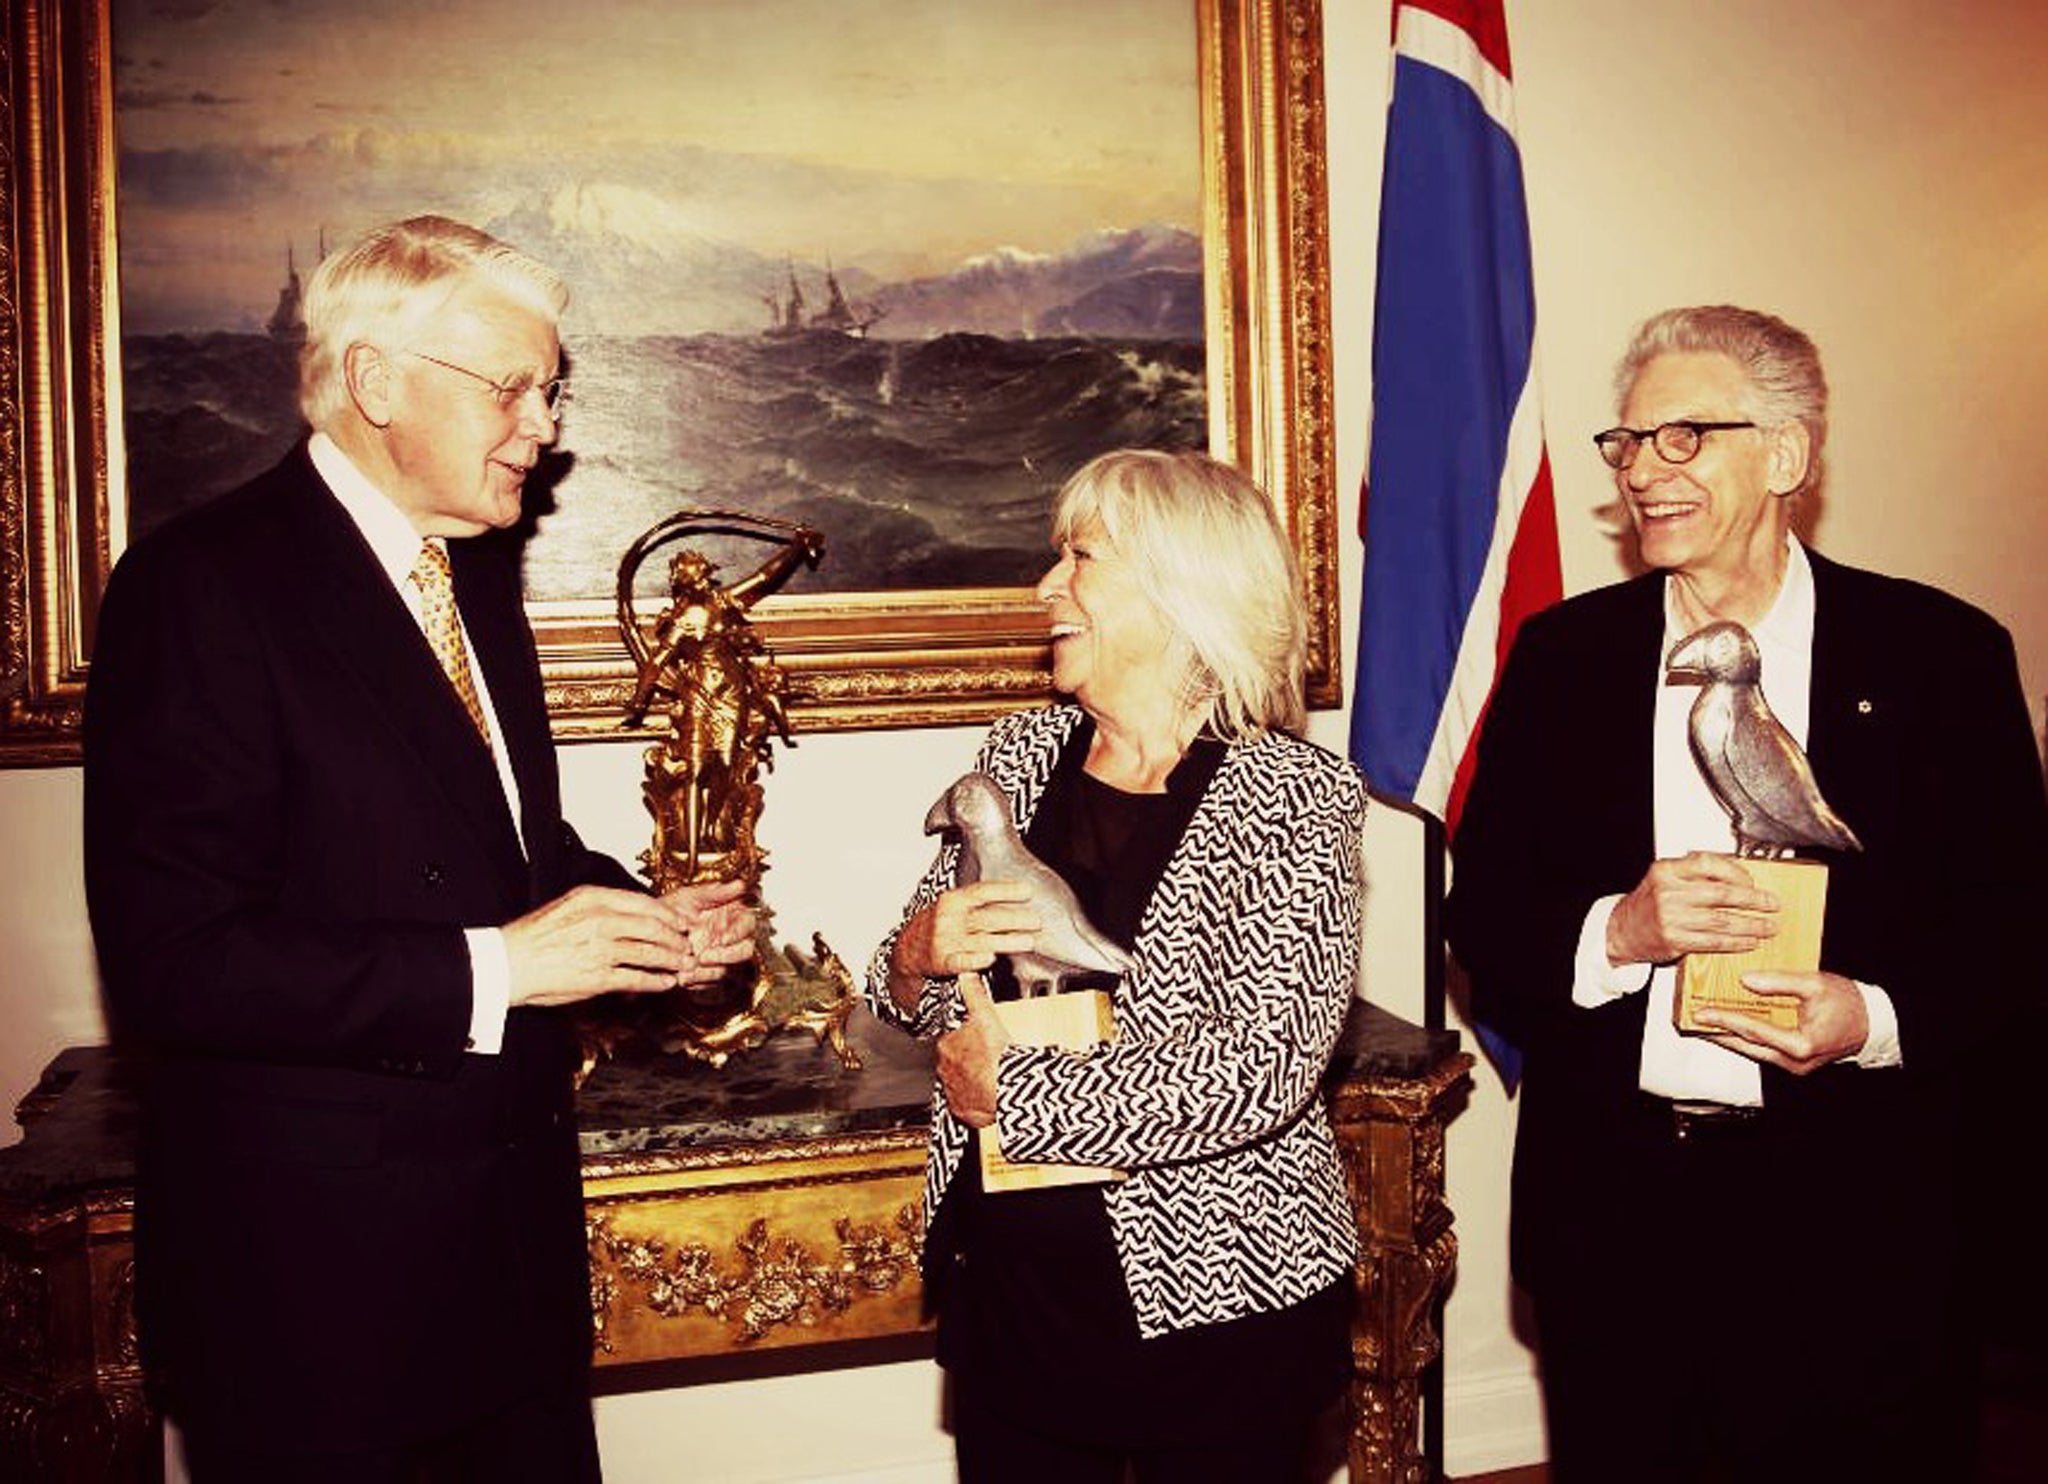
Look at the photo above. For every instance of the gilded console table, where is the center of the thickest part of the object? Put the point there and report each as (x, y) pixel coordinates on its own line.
(71, 1399)
(1393, 1089)
(770, 1206)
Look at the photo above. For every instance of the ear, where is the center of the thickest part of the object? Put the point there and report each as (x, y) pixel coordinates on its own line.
(371, 382)
(1791, 454)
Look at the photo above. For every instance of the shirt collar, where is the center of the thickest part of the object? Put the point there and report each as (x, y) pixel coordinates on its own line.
(1789, 619)
(386, 529)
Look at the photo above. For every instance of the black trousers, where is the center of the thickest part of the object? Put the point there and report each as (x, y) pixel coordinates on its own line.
(1738, 1314)
(543, 1439)
(992, 1447)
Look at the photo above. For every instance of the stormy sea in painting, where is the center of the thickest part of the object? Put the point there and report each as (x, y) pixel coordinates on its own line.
(928, 463)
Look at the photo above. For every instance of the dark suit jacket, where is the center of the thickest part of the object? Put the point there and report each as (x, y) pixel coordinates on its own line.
(1919, 736)
(350, 1232)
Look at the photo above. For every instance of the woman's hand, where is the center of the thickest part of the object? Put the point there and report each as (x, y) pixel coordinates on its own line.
(968, 1057)
(961, 932)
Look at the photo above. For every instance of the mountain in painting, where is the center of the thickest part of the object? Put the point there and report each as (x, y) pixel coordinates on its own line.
(640, 266)
(1144, 281)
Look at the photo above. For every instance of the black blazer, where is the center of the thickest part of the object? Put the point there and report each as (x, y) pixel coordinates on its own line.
(349, 1231)
(1919, 736)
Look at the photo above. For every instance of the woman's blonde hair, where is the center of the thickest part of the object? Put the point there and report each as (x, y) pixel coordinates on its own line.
(1206, 547)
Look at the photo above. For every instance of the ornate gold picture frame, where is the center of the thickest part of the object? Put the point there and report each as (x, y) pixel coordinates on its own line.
(861, 660)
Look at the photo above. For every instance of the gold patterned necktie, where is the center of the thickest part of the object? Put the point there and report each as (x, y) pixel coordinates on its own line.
(444, 628)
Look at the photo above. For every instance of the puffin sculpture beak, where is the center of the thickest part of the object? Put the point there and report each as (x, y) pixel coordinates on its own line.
(1686, 664)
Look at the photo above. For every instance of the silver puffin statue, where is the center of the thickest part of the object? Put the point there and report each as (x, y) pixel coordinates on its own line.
(992, 850)
(1751, 763)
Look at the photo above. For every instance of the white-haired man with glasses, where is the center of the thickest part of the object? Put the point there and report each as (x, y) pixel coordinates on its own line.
(1742, 1249)
(338, 911)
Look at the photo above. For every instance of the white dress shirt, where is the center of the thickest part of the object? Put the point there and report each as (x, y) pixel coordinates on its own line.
(1687, 818)
(395, 543)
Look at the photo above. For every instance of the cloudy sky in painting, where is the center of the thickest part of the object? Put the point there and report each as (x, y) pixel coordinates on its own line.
(897, 137)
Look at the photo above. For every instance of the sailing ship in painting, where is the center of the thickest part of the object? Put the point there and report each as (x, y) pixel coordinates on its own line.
(923, 424)
(839, 316)
(287, 322)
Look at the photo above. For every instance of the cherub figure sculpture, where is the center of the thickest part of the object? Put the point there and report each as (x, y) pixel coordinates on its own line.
(722, 703)
(724, 698)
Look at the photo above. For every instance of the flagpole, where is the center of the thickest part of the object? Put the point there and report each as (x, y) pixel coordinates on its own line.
(1433, 947)
(1434, 955)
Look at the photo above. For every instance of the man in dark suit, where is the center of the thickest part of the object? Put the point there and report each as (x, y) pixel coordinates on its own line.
(1742, 1248)
(336, 904)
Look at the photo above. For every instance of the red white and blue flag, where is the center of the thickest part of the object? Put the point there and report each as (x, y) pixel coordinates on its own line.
(1458, 519)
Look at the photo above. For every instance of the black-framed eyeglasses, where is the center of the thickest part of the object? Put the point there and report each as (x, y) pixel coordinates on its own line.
(508, 393)
(1676, 442)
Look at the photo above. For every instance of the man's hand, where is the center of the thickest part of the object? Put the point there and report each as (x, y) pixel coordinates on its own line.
(968, 1057)
(717, 926)
(1833, 1021)
(1697, 903)
(595, 940)
(962, 931)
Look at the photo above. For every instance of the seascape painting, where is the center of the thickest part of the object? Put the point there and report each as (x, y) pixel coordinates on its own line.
(893, 270)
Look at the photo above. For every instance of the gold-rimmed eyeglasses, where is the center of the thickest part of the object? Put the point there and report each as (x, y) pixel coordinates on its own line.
(553, 394)
(1675, 442)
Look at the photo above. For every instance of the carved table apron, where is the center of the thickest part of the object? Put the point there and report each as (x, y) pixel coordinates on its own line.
(768, 1206)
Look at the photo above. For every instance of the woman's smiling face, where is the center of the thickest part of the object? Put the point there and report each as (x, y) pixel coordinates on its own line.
(1111, 645)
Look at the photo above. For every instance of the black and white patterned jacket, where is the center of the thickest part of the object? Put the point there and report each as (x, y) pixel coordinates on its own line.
(1209, 1095)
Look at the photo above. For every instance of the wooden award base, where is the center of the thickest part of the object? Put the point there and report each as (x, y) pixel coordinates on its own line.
(1076, 1020)
(1801, 888)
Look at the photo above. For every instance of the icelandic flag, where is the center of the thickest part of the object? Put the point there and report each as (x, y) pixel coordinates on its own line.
(1460, 527)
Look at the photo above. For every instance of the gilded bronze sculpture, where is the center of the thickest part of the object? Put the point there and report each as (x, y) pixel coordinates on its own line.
(722, 703)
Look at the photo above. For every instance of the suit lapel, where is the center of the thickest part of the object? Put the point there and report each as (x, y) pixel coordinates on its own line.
(1621, 719)
(488, 592)
(1837, 678)
(1854, 736)
(1046, 742)
(363, 624)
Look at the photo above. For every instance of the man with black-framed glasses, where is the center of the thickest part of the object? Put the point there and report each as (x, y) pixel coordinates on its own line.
(1743, 1249)
(338, 911)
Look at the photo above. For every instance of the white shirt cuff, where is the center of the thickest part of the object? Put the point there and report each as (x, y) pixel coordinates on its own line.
(490, 989)
(1881, 1047)
(1595, 981)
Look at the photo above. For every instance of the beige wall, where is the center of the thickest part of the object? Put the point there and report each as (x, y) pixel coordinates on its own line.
(1873, 171)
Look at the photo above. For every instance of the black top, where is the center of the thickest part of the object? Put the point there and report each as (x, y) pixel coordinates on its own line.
(1034, 1311)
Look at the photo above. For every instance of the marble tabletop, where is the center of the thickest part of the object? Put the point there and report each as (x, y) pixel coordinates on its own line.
(789, 1087)
(80, 1119)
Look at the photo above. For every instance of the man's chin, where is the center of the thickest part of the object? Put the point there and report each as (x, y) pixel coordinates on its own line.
(456, 527)
(1661, 549)
(507, 505)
